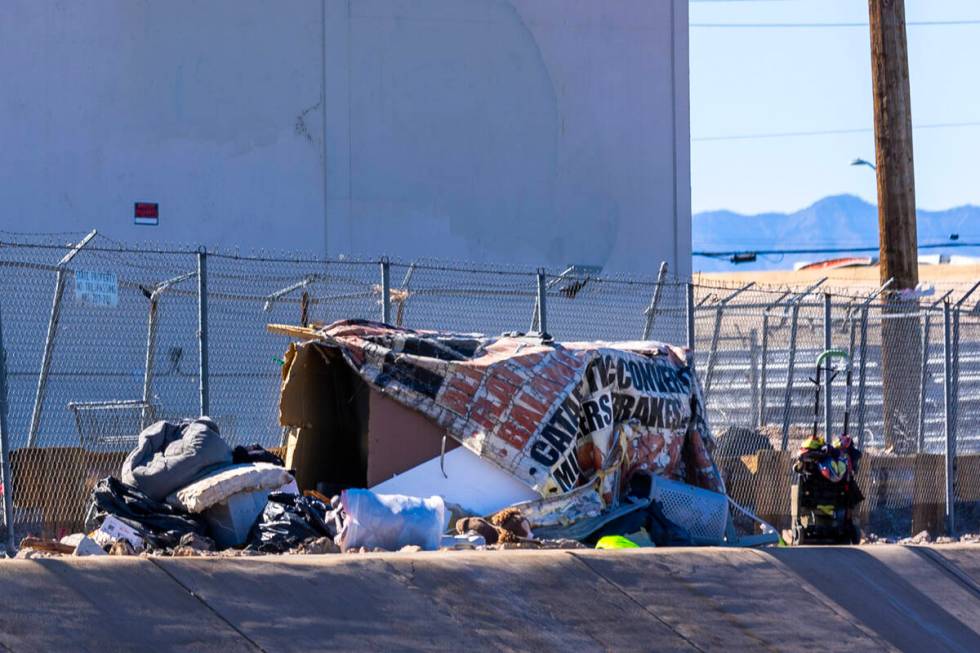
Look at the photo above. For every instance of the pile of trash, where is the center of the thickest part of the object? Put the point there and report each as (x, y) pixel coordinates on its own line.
(184, 492)
(922, 537)
(547, 445)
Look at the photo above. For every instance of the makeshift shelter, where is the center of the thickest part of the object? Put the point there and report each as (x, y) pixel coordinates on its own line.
(573, 421)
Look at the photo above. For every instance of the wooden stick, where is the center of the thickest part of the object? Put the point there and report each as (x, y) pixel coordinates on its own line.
(299, 332)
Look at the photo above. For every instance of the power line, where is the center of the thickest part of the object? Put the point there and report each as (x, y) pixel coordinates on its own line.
(911, 23)
(818, 132)
(826, 132)
(823, 250)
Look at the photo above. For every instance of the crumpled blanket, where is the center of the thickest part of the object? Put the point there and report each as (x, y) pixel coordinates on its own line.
(170, 456)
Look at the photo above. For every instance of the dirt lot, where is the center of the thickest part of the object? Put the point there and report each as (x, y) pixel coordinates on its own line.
(944, 277)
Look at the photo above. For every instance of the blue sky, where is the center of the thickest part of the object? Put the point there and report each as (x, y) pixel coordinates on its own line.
(752, 81)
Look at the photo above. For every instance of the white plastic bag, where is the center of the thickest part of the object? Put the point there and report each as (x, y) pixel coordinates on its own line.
(391, 521)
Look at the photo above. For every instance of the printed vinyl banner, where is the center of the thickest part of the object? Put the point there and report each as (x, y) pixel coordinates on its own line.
(556, 415)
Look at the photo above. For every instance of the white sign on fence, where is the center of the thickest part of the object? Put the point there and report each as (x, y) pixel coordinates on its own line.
(97, 288)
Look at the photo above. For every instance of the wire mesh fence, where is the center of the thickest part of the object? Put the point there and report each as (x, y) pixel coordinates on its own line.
(104, 338)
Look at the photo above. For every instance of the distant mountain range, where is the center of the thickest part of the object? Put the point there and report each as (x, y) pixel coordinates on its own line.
(835, 221)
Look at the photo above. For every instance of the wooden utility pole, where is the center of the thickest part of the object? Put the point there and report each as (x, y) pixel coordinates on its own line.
(900, 345)
(893, 143)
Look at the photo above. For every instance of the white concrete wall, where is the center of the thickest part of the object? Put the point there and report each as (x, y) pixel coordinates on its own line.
(528, 131)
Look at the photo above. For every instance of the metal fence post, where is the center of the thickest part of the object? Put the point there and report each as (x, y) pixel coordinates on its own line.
(651, 312)
(924, 380)
(42, 379)
(791, 364)
(828, 343)
(151, 341)
(691, 345)
(713, 350)
(862, 377)
(754, 374)
(7, 478)
(848, 371)
(542, 302)
(716, 334)
(949, 415)
(202, 329)
(304, 309)
(955, 374)
(763, 368)
(406, 284)
(764, 364)
(863, 368)
(151, 347)
(385, 290)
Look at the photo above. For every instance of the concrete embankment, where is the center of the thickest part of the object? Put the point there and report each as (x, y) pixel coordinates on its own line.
(805, 599)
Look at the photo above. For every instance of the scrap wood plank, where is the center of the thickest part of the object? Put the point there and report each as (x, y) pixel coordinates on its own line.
(300, 332)
(49, 546)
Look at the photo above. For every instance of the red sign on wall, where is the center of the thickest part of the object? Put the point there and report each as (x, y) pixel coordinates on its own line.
(147, 213)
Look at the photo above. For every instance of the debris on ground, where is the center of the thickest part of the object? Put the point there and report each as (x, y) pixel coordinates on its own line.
(288, 520)
(616, 542)
(512, 522)
(508, 525)
(465, 542)
(112, 530)
(196, 542)
(83, 544)
(921, 537)
(480, 527)
(231, 498)
(572, 422)
(874, 538)
(40, 545)
(390, 521)
(318, 546)
(407, 441)
(469, 480)
(122, 548)
(158, 523)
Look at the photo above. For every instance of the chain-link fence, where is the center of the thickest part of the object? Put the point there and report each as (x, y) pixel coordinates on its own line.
(102, 338)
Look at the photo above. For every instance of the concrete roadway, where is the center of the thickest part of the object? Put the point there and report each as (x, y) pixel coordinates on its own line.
(797, 599)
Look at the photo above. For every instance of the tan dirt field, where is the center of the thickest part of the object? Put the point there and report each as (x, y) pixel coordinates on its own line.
(944, 277)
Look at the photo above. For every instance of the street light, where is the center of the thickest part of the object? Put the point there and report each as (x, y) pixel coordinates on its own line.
(862, 162)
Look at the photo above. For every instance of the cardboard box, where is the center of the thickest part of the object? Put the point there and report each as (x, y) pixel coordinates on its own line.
(344, 433)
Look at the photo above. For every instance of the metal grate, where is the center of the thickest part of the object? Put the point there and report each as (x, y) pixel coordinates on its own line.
(702, 512)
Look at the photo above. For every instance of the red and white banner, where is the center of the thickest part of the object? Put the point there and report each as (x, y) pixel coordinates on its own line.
(555, 415)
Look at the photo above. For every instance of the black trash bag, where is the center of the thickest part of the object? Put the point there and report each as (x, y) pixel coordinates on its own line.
(160, 524)
(289, 520)
(254, 453)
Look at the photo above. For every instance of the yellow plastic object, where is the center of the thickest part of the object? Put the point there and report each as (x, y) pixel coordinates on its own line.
(813, 442)
(616, 542)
